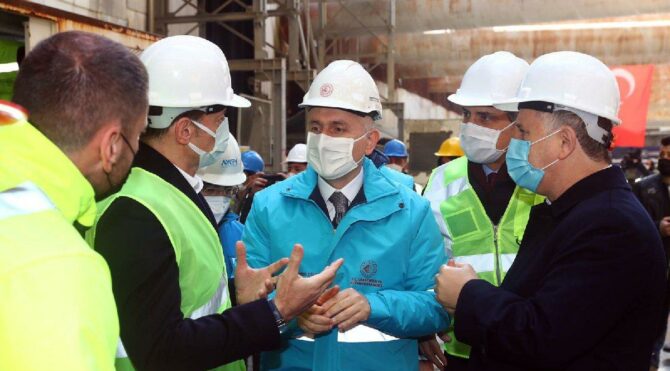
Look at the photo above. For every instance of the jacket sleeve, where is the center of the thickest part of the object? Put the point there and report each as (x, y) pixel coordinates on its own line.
(145, 277)
(256, 237)
(600, 269)
(414, 312)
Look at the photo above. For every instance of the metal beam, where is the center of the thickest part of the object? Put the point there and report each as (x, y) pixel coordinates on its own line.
(322, 35)
(390, 53)
(221, 17)
(424, 15)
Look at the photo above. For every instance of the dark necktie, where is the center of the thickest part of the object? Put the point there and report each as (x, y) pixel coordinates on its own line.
(491, 179)
(341, 203)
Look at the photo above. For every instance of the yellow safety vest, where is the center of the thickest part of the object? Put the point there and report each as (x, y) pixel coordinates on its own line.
(58, 310)
(490, 249)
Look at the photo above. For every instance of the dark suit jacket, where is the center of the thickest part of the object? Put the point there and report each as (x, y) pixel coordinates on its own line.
(586, 291)
(653, 194)
(145, 279)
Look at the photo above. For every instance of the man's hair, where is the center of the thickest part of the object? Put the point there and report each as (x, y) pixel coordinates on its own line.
(155, 134)
(665, 141)
(74, 82)
(595, 150)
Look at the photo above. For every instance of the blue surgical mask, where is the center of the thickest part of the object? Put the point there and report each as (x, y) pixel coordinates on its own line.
(220, 143)
(519, 169)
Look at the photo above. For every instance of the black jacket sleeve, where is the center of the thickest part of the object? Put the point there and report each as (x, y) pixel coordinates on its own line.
(145, 279)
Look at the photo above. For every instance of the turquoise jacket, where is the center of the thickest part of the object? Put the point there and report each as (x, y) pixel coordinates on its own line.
(230, 231)
(402, 178)
(392, 249)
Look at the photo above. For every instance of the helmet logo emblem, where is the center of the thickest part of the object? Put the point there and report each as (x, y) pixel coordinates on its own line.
(326, 90)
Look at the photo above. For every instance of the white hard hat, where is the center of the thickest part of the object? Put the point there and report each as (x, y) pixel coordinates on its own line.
(297, 154)
(491, 79)
(570, 81)
(228, 169)
(185, 73)
(347, 85)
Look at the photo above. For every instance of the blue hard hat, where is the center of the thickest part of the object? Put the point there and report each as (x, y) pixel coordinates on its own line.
(253, 162)
(395, 148)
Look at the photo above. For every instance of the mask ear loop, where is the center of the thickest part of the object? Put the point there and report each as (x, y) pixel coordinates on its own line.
(545, 137)
(356, 140)
(501, 130)
(204, 128)
(541, 139)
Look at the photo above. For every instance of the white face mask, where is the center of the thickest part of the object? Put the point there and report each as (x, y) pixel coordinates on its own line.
(219, 206)
(220, 143)
(479, 143)
(331, 158)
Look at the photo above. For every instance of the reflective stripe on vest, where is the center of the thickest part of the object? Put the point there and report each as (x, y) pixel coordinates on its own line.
(358, 334)
(23, 199)
(473, 239)
(485, 262)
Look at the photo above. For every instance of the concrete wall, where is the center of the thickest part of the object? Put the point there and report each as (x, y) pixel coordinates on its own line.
(129, 13)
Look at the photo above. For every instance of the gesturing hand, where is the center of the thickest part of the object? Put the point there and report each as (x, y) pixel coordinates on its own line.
(252, 284)
(295, 294)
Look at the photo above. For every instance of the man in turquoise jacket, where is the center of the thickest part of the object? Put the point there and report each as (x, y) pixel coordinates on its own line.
(342, 206)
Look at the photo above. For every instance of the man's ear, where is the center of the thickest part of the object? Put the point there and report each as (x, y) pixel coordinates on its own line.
(183, 130)
(373, 138)
(110, 150)
(569, 142)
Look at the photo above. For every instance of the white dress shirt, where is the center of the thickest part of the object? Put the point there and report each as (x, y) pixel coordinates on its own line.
(194, 181)
(350, 191)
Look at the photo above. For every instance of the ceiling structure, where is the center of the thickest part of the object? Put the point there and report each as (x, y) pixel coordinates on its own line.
(430, 43)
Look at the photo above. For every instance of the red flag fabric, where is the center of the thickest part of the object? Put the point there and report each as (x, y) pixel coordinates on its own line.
(635, 89)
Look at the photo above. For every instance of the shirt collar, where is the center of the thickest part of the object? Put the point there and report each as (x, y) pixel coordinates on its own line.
(488, 170)
(350, 190)
(194, 181)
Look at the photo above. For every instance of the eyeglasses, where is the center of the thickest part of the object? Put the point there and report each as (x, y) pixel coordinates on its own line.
(228, 191)
(232, 191)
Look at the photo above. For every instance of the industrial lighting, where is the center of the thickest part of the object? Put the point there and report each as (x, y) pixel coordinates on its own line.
(581, 26)
(438, 32)
(9, 67)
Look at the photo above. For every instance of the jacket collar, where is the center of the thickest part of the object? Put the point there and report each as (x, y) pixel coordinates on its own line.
(153, 161)
(375, 185)
(38, 160)
(604, 180)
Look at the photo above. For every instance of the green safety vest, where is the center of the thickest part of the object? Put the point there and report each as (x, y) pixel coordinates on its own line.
(58, 310)
(489, 249)
(202, 272)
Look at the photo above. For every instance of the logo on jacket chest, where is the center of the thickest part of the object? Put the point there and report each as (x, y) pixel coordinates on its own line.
(368, 270)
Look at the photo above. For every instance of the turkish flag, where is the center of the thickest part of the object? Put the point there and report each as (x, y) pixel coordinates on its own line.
(635, 88)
